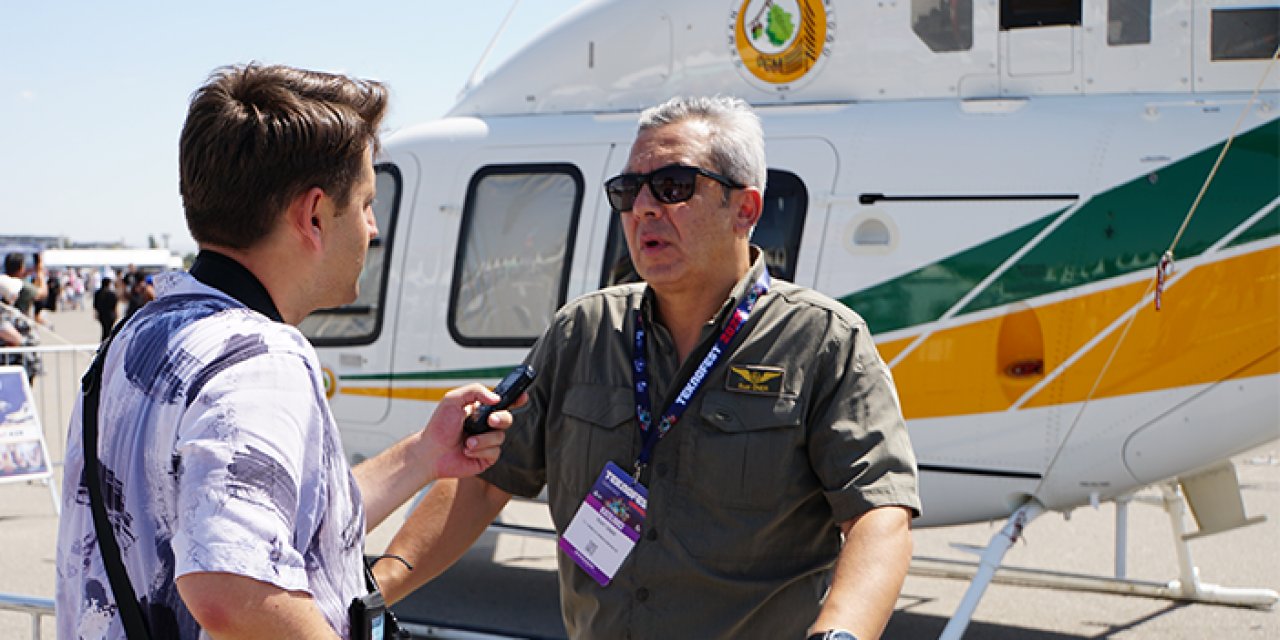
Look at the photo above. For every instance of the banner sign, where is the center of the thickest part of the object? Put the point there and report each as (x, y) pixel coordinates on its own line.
(23, 452)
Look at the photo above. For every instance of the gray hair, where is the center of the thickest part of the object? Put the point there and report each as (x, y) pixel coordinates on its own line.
(737, 139)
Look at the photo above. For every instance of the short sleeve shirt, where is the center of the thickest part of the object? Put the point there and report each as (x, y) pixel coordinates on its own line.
(26, 298)
(797, 429)
(218, 454)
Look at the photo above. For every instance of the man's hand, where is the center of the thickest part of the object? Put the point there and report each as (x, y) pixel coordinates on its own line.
(456, 454)
(438, 451)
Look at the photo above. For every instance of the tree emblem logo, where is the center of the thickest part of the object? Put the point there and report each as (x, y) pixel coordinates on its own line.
(774, 24)
(330, 382)
(777, 43)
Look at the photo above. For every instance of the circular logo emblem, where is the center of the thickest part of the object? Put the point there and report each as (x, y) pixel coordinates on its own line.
(330, 382)
(778, 44)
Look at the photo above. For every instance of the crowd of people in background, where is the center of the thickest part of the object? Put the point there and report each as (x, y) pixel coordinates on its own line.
(29, 290)
(20, 290)
(133, 288)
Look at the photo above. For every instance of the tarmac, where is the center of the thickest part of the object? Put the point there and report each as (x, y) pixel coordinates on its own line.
(507, 583)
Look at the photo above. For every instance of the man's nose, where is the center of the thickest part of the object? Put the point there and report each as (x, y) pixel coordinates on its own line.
(645, 205)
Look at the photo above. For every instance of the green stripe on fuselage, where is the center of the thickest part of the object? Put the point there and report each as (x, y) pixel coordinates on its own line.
(926, 293)
(1129, 227)
(1116, 232)
(1266, 227)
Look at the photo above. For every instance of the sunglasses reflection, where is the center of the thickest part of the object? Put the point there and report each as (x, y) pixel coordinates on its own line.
(672, 184)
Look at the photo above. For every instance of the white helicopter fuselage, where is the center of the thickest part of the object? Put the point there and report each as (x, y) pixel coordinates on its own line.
(993, 197)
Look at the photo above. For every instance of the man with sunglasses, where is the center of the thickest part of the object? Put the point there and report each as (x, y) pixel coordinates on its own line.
(713, 441)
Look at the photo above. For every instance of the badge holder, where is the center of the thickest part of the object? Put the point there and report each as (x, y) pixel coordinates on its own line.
(607, 525)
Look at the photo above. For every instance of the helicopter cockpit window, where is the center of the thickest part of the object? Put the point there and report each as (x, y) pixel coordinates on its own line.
(777, 233)
(514, 253)
(1245, 34)
(360, 321)
(943, 25)
(1128, 22)
(1019, 14)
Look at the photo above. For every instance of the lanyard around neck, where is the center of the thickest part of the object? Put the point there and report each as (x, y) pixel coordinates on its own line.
(640, 372)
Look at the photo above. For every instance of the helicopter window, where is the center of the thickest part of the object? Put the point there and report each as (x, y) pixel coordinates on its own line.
(1018, 14)
(777, 233)
(943, 25)
(1245, 34)
(361, 321)
(1128, 22)
(514, 253)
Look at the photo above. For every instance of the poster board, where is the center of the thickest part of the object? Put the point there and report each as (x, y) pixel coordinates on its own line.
(24, 455)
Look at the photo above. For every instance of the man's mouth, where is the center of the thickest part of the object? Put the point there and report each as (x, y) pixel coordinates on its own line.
(653, 242)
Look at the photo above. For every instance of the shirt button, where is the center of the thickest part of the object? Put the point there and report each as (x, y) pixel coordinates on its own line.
(662, 469)
(652, 534)
(642, 594)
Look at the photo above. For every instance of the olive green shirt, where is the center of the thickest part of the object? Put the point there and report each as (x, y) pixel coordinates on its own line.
(745, 490)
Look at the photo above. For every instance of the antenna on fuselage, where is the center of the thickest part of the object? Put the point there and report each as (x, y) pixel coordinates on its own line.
(475, 73)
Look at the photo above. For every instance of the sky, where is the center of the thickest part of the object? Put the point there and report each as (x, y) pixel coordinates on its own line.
(93, 94)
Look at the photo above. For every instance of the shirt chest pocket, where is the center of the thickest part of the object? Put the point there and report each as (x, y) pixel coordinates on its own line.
(598, 426)
(749, 450)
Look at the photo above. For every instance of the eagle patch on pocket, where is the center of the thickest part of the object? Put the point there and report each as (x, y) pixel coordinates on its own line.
(757, 379)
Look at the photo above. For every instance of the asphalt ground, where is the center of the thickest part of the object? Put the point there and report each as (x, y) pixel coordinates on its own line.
(507, 582)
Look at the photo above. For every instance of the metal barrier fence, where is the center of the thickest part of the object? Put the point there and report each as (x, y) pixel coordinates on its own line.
(37, 608)
(54, 391)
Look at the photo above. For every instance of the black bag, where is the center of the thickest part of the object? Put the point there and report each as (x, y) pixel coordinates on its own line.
(371, 619)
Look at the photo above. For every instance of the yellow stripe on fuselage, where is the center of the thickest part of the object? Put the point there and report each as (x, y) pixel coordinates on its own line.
(428, 394)
(1219, 321)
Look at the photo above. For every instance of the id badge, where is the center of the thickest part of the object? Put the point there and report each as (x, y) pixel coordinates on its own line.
(607, 525)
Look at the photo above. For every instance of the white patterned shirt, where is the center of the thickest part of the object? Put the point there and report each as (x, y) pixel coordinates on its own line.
(218, 453)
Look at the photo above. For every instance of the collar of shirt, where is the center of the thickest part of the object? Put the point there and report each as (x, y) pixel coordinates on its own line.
(232, 278)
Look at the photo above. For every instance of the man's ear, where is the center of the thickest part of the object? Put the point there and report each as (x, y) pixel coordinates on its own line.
(305, 217)
(747, 214)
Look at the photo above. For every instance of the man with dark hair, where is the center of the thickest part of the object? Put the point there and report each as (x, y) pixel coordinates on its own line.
(106, 306)
(221, 467)
(53, 285)
(15, 266)
(717, 446)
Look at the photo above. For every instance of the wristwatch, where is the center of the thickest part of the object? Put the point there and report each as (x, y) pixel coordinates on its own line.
(832, 634)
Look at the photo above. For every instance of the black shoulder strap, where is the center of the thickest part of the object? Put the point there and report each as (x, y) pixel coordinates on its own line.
(135, 625)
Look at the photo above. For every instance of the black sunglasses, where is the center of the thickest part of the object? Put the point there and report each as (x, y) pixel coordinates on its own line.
(669, 185)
